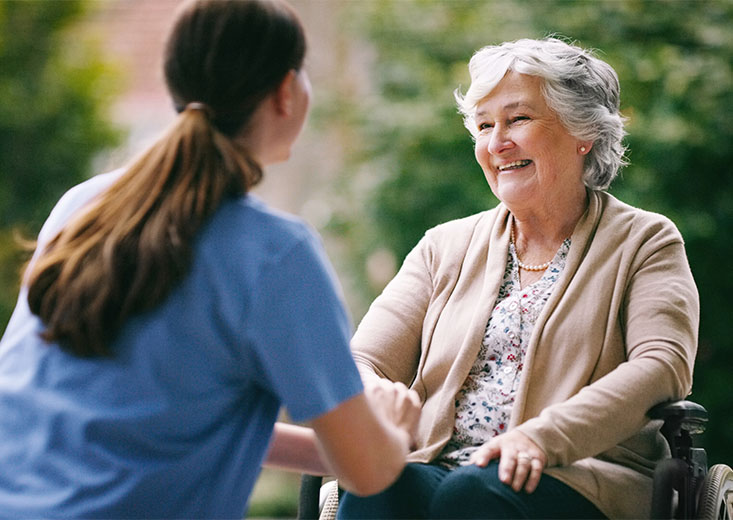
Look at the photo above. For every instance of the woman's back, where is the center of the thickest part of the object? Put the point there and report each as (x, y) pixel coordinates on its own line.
(177, 421)
(160, 328)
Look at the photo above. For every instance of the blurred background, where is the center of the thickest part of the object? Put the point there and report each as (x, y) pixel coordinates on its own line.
(385, 155)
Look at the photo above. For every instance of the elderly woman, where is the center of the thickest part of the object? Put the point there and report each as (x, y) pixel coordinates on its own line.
(540, 332)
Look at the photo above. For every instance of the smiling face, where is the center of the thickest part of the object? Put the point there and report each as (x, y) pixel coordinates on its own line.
(528, 157)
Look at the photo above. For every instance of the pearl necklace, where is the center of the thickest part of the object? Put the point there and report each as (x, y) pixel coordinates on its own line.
(527, 267)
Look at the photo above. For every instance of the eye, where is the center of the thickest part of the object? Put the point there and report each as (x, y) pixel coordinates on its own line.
(518, 119)
(485, 127)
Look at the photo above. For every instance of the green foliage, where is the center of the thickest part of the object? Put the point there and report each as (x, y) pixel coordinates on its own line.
(275, 495)
(435, 192)
(54, 90)
(11, 258)
(674, 61)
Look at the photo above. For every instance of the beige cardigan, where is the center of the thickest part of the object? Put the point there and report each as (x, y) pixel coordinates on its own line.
(618, 335)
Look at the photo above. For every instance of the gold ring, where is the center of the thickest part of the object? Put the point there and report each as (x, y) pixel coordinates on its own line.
(523, 456)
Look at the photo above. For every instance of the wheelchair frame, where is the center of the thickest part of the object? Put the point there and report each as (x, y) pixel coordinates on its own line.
(683, 488)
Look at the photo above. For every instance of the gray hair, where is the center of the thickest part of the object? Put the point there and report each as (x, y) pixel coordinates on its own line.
(581, 89)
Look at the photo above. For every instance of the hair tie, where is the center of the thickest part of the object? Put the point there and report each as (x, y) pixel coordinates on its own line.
(203, 107)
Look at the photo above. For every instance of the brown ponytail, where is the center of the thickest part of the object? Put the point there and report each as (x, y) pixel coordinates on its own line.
(125, 253)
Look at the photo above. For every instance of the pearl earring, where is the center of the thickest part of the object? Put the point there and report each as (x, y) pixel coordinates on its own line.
(582, 149)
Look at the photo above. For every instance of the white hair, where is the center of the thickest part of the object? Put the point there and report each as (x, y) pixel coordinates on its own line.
(581, 89)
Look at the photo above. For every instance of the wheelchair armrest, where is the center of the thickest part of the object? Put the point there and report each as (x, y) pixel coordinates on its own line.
(681, 415)
(682, 420)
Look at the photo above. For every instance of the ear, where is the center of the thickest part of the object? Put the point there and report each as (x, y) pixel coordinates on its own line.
(584, 147)
(283, 94)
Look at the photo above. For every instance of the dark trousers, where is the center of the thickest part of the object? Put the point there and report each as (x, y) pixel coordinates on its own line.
(431, 491)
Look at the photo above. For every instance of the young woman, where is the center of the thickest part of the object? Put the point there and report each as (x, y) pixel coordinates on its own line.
(168, 314)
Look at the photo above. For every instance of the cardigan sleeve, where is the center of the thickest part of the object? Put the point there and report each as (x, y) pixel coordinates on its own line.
(658, 319)
(387, 342)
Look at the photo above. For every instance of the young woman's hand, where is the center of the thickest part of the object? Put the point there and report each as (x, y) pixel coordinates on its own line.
(521, 461)
(366, 439)
(394, 402)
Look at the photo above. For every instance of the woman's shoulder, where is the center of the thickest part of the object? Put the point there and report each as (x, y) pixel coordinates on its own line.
(616, 211)
(466, 227)
(249, 223)
(624, 219)
(74, 199)
(252, 208)
(453, 242)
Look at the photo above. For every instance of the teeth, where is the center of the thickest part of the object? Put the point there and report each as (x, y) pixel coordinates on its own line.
(515, 164)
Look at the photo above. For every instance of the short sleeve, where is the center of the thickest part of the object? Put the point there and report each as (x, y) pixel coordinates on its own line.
(300, 332)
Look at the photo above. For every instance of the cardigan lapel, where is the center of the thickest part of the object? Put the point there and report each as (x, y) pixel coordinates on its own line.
(580, 242)
(488, 271)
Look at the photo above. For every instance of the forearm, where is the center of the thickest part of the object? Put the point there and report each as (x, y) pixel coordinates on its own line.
(387, 342)
(296, 448)
(366, 451)
(658, 323)
(603, 414)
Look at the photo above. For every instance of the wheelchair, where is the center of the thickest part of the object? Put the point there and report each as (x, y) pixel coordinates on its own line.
(683, 487)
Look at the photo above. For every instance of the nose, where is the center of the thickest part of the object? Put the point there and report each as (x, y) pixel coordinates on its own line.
(500, 140)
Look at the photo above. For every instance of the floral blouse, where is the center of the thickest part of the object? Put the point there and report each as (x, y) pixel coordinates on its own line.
(484, 403)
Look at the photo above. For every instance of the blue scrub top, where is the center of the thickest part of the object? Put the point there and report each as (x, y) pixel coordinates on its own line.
(177, 423)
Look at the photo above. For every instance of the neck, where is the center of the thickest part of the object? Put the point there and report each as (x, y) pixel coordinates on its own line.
(554, 224)
(254, 139)
(547, 229)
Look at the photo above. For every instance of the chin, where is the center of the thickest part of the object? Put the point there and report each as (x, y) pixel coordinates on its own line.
(279, 158)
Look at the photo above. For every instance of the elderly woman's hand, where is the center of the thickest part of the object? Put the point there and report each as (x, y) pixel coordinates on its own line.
(397, 403)
(521, 460)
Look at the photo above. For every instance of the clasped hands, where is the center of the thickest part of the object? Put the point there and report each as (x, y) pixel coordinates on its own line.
(521, 461)
(396, 403)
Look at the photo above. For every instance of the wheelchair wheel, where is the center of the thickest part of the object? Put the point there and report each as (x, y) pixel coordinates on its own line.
(716, 495)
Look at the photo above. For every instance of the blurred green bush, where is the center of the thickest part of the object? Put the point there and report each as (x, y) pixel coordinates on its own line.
(55, 89)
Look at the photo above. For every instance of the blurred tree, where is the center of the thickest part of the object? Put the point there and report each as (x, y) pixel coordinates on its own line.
(54, 90)
(674, 62)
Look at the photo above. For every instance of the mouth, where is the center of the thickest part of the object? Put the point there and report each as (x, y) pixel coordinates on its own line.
(512, 166)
